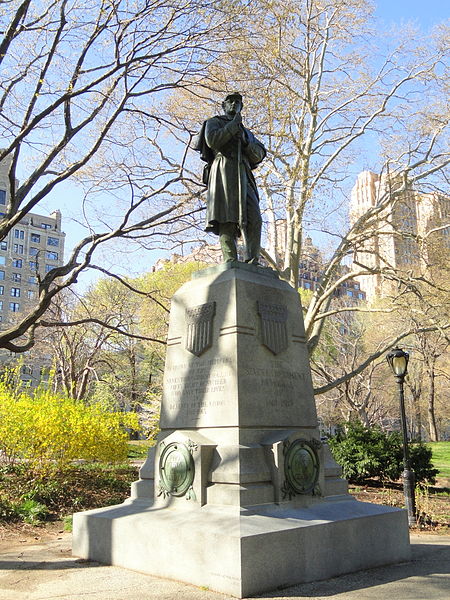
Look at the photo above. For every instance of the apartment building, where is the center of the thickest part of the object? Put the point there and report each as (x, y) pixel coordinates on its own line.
(402, 241)
(32, 248)
(312, 265)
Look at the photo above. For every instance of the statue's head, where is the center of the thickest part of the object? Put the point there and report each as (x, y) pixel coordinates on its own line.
(232, 103)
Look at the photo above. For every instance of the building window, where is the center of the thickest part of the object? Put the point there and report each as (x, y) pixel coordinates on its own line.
(18, 248)
(51, 255)
(306, 285)
(360, 296)
(34, 251)
(48, 268)
(15, 292)
(33, 265)
(30, 294)
(46, 226)
(2, 260)
(2, 196)
(32, 279)
(350, 293)
(17, 263)
(1, 304)
(2, 290)
(2, 275)
(14, 306)
(16, 276)
(26, 370)
(356, 286)
(3, 245)
(35, 237)
(19, 234)
(51, 241)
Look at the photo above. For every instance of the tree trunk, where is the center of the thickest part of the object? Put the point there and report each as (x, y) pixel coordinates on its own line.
(363, 416)
(417, 416)
(432, 427)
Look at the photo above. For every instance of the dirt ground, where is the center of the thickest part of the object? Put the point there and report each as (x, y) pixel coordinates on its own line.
(433, 505)
(15, 534)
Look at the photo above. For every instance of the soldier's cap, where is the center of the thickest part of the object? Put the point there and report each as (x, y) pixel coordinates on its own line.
(234, 95)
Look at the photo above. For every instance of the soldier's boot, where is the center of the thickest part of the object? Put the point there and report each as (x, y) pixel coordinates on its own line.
(252, 248)
(227, 237)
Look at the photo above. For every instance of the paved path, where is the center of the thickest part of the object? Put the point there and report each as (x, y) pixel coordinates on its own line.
(47, 571)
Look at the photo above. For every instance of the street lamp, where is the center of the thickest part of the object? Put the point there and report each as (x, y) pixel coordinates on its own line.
(398, 361)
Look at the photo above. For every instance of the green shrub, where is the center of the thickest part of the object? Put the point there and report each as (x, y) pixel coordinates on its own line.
(31, 511)
(30, 496)
(421, 464)
(68, 523)
(49, 430)
(367, 453)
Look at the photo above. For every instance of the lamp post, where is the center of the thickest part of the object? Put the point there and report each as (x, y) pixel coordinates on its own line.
(398, 361)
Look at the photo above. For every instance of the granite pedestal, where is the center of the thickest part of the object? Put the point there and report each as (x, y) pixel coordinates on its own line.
(239, 494)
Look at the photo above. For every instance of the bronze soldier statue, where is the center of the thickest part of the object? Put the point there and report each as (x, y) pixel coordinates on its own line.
(231, 152)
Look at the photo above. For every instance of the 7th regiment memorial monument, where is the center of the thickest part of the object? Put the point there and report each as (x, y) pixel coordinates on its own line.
(239, 494)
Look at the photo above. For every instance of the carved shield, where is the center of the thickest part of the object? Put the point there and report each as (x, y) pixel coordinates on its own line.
(273, 326)
(199, 321)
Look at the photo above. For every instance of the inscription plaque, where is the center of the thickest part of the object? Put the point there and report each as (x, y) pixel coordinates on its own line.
(301, 468)
(176, 470)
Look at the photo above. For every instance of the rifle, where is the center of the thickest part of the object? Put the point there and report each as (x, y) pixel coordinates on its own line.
(241, 200)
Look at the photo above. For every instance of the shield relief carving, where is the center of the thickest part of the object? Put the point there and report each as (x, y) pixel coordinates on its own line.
(273, 326)
(199, 327)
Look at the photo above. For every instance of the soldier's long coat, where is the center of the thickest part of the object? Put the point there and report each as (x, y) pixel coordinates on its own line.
(218, 143)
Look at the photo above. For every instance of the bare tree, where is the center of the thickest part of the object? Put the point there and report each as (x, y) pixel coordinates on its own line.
(75, 78)
(113, 334)
(431, 351)
(321, 94)
(414, 383)
(82, 334)
(342, 348)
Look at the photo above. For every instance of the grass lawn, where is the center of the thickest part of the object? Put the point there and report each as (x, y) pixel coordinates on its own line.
(441, 457)
(138, 449)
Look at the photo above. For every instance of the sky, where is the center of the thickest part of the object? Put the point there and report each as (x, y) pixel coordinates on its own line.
(424, 13)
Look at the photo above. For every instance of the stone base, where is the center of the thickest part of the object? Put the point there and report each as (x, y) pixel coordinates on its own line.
(240, 551)
(239, 495)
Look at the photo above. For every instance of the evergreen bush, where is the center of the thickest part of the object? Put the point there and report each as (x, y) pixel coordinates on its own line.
(370, 453)
(423, 468)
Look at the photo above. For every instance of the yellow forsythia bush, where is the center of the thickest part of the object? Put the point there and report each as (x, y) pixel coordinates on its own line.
(49, 429)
